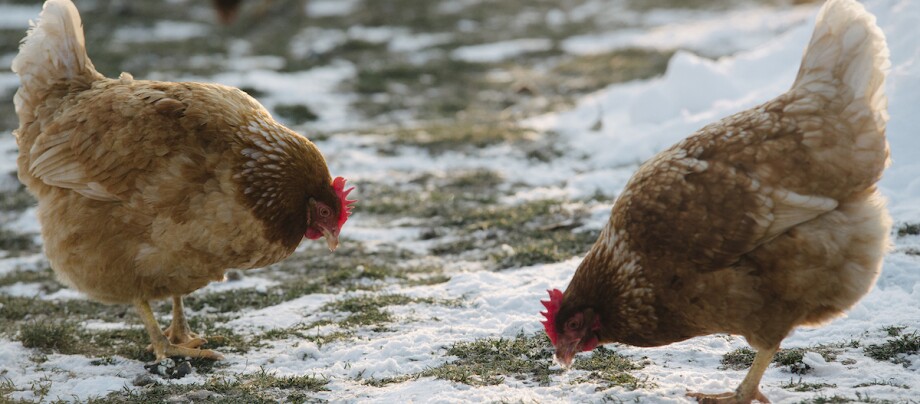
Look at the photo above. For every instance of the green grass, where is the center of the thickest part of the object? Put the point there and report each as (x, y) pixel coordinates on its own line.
(738, 359)
(310, 383)
(536, 232)
(466, 208)
(909, 229)
(311, 272)
(295, 114)
(801, 386)
(838, 399)
(16, 201)
(529, 233)
(57, 336)
(585, 73)
(17, 308)
(15, 243)
(610, 368)
(260, 387)
(6, 387)
(552, 246)
(441, 138)
(889, 382)
(44, 276)
(742, 358)
(368, 310)
(53, 326)
(893, 349)
(491, 361)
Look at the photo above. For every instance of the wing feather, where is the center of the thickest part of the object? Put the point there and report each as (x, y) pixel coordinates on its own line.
(714, 197)
(100, 155)
(792, 209)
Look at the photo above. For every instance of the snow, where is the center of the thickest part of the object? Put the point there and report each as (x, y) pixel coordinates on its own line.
(18, 16)
(313, 40)
(417, 42)
(162, 31)
(316, 88)
(637, 119)
(498, 51)
(330, 8)
(736, 30)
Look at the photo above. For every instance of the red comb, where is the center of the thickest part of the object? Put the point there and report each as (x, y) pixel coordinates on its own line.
(338, 184)
(552, 307)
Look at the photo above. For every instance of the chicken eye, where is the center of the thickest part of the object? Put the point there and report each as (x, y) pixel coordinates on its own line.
(573, 324)
(324, 211)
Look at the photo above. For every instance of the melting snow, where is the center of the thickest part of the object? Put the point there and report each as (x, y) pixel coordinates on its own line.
(498, 51)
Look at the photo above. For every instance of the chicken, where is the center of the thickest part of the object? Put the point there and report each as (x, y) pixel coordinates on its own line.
(766, 220)
(227, 10)
(148, 189)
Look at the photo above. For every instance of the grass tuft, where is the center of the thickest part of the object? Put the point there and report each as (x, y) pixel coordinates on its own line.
(295, 114)
(366, 310)
(6, 387)
(16, 201)
(742, 358)
(58, 336)
(491, 361)
(909, 229)
(17, 243)
(487, 362)
(613, 369)
(739, 359)
(263, 380)
(260, 387)
(889, 382)
(895, 348)
(801, 386)
(438, 139)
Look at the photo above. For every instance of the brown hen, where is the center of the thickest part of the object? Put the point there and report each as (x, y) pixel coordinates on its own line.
(148, 189)
(761, 222)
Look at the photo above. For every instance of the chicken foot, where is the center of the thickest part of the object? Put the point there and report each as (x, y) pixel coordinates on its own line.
(749, 389)
(162, 345)
(178, 331)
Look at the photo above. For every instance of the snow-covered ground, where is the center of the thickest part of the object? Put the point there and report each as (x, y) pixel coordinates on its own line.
(604, 136)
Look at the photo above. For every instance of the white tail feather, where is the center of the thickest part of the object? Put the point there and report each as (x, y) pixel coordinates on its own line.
(847, 59)
(53, 52)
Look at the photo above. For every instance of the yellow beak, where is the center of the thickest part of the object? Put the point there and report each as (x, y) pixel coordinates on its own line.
(332, 239)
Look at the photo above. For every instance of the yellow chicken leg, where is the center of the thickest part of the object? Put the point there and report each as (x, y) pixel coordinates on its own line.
(749, 389)
(162, 346)
(178, 331)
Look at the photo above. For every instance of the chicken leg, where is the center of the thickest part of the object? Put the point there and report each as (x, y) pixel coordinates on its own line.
(163, 346)
(178, 331)
(749, 389)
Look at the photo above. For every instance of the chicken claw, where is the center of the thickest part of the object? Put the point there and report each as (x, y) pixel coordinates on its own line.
(749, 390)
(166, 350)
(728, 397)
(177, 340)
(178, 331)
(184, 338)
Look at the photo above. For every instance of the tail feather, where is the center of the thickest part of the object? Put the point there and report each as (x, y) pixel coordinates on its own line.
(53, 52)
(847, 60)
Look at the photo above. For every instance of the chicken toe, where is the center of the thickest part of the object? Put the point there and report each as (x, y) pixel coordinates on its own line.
(749, 389)
(726, 398)
(178, 331)
(180, 341)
